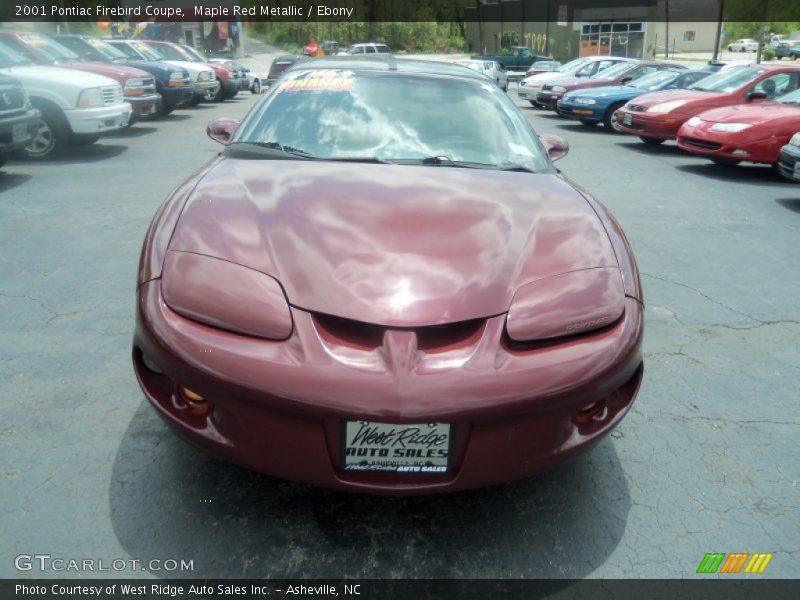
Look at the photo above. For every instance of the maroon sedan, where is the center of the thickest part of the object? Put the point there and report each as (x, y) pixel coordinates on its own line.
(626, 71)
(363, 295)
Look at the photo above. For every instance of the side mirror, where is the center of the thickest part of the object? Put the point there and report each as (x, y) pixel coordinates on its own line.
(626, 79)
(757, 96)
(221, 130)
(557, 147)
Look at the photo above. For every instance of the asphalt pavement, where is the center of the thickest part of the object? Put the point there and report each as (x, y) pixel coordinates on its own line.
(707, 461)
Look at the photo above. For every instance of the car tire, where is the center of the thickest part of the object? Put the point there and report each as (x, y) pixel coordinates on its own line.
(725, 162)
(50, 138)
(793, 56)
(652, 141)
(166, 109)
(534, 104)
(609, 120)
(196, 99)
(256, 87)
(220, 95)
(230, 95)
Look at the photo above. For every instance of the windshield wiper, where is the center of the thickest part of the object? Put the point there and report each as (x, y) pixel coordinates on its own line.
(515, 167)
(278, 146)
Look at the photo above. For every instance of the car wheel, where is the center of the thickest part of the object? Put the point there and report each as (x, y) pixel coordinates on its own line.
(256, 87)
(793, 56)
(49, 139)
(166, 109)
(743, 49)
(83, 140)
(652, 141)
(196, 100)
(220, 95)
(730, 48)
(610, 118)
(229, 95)
(725, 162)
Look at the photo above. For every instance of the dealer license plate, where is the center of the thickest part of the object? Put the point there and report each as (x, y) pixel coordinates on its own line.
(19, 132)
(415, 448)
(628, 119)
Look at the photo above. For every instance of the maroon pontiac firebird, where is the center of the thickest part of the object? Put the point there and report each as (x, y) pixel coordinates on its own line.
(383, 285)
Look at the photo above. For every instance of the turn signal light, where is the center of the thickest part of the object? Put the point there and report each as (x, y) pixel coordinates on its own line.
(192, 396)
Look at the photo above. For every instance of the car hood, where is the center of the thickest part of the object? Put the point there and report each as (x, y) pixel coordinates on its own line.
(755, 114)
(609, 91)
(545, 77)
(692, 98)
(42, 76)
(120, 73)
(193, 68)
(389, 244)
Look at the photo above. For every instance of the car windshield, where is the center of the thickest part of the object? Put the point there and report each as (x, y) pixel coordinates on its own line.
(790, 98)
(375, 116)
(11, 58)
(104, 48)
(572, 65)
(194, 54)
(727, 81)
(144, 50)
(654, 81)
(50, 48)
(167, 51)
(613, 71)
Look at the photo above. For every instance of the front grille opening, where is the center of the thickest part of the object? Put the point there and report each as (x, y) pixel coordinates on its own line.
(702, 144)
(367, 336)
(347, 332)
(441, 338)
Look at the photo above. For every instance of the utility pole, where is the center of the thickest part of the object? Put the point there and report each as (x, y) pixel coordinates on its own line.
(720, 18)
(666, 26)
(762, 30)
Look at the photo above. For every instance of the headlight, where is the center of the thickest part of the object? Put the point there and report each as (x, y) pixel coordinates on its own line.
(177, 79)
(559, 89)
(694, 122)
(206, 76)
(730, 127)
(91, 98)
(225, 295)
(568, 304)
(795, 141)
(588, 101)
(134, 86)
(666, 107)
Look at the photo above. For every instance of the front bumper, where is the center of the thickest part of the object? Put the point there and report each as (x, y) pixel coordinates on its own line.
(528, 93)
(581, 111)
(234, 84)
(278, 406)
(206, 89)
(704, 142)
(658, 126)
(144, 106)
(18, 130)
(789, 162)
(177, 96)
(549, 99)
(98, 120)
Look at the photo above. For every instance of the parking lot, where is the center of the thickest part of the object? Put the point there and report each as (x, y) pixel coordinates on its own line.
(706, 462)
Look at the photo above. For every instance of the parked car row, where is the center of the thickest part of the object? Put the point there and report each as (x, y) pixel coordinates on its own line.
(740, 113)
(61, 90)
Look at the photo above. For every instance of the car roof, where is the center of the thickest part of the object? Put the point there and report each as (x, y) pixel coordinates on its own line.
(388, 64)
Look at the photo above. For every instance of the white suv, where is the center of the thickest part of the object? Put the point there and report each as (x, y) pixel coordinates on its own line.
(76, 106)
(746, 45)
(370, 48)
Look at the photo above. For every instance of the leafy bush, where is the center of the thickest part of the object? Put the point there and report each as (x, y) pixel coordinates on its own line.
(768, 54)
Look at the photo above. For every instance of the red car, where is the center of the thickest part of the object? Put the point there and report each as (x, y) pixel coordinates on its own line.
(138, 86)
(342, 297)
(626, 71)
(658, 116)
(231, 81)
(746, 132)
